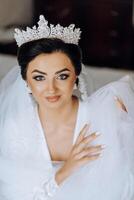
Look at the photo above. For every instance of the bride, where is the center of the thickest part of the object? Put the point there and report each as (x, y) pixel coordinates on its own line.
(56, 142)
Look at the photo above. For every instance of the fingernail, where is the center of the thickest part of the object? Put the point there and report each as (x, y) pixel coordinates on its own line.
(103, 146)
(115, 97)
(87, 128)
(87, 125)
(97, 133)
(100, 155)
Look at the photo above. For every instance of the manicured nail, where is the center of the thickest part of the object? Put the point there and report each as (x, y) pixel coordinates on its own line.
(85, 129)
(103, 146)
(87, 125)
(115, 97)
(97, 133)
(100, 155)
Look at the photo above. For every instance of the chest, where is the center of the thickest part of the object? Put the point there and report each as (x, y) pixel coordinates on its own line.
(59, 141)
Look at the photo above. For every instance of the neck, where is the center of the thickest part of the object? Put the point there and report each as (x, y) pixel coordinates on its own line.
(60, 114)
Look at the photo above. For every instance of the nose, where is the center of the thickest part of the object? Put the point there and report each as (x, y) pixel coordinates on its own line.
(51, 87)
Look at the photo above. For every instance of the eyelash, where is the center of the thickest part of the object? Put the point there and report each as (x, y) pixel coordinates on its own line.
(60, 77)
(63, 76)
(39, 78)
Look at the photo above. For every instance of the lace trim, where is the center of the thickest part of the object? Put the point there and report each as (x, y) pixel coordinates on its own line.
(51, 187)
(47, 190)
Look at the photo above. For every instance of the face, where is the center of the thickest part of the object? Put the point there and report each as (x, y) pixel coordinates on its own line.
(51, 78)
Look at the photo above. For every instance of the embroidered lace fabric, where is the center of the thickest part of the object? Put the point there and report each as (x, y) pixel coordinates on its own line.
(46, 190)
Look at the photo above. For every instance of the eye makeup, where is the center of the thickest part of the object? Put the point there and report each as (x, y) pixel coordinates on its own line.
(39, 78)
(63, 76)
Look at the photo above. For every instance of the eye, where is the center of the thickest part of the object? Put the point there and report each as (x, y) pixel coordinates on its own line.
(39, 78)
(63, 76)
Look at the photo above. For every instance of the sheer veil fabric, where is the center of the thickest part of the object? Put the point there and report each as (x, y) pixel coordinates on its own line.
(26, 169)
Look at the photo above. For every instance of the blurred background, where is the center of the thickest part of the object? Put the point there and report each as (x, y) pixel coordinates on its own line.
(107, 39)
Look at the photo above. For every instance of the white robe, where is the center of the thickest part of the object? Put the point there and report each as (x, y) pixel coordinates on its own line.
(27, 171)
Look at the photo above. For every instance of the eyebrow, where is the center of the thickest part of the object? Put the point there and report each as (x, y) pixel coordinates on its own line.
(62, 70)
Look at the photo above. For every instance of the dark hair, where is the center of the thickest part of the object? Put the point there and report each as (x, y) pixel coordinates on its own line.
(28, 51)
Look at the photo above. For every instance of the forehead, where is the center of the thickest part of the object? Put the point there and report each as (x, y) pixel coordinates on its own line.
(51, 62)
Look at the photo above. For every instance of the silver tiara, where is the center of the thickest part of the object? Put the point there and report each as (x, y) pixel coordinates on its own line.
(68, 34)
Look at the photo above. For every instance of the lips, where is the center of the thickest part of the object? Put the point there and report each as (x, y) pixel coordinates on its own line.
(53, 98)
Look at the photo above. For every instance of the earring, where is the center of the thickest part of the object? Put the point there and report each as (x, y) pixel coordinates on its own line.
(82, 88)
(29, 90)
(75, 87)
(76, 84)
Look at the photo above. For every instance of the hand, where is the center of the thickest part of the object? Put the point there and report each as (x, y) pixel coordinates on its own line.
(80, 154)
(120, 104)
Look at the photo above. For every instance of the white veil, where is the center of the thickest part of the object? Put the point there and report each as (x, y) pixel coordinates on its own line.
(19, 132)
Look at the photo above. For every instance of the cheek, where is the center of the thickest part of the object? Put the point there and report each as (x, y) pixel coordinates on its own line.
(68, 87)
(36, 88)
(37, 92)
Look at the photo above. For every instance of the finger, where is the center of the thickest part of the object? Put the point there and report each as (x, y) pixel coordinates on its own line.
(82, 133)
(120, 104)
(90, 151)
(88, 139)
(79, 147)
(87, 159)
(95, 149)
(91, 137)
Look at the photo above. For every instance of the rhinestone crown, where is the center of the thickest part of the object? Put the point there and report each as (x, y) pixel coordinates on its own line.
(68, 34)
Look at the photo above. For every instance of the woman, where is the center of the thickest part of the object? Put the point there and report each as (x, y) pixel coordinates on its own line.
(51, 141)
